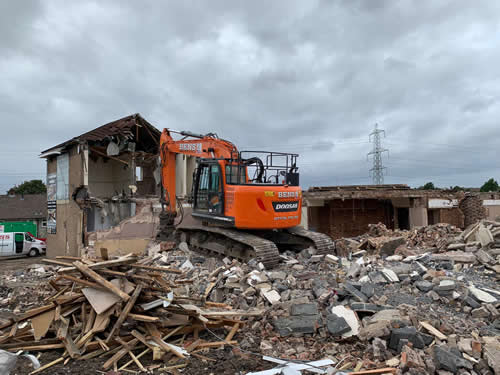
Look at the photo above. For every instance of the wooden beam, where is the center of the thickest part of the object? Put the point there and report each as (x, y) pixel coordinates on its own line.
(129, 258)
(56, 262)
(216, 344)
(126, 310)
(144, 318)
(387, 370)
(156, 268)
(101, 280)
(233, 331)
(122, 352)
(82, 282)
(94, 150)
(166, 347)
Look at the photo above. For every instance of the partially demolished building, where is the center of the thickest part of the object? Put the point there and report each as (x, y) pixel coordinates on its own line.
(346, 211)
(93, 181)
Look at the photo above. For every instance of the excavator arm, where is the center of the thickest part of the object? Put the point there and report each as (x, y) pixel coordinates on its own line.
(198, 145)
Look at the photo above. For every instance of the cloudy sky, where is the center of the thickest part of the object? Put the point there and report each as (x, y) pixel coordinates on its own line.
(311, 77)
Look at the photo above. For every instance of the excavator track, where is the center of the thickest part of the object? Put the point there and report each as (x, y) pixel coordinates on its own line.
(323, 243)
(216, 239)
(244, 245)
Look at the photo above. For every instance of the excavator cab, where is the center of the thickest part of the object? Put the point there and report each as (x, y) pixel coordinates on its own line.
(255, 190)
(208, 188)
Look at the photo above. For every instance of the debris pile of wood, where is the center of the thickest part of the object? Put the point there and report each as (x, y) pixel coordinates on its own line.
(122, 309)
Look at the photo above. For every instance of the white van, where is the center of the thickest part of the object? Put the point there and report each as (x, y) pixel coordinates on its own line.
(20, 243)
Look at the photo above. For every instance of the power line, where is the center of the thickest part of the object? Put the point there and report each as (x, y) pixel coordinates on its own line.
(377, 172)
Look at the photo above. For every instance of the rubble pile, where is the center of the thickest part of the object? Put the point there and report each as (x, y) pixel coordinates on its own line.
(385, 241)
(405, 302)
(420, 314)
(112, 308)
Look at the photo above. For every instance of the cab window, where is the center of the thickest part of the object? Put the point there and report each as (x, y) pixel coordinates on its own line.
(235, 174)
(28, 238)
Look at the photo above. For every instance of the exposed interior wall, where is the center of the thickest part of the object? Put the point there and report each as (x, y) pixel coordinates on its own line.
(108, 177)
(102, 218)
(349, 218)
(147, 185)
(132, 234)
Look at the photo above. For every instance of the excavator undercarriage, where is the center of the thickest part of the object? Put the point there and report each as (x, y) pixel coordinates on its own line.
(263, 246)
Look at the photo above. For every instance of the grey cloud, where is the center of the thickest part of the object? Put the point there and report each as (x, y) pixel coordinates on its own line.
(297, 76)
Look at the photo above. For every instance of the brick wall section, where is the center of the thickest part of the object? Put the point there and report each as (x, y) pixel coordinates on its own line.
(472, 207)
(350, 218)
(453, 216)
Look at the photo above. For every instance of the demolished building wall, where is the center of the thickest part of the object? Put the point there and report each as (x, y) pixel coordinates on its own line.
(346, 211)
(96, 180)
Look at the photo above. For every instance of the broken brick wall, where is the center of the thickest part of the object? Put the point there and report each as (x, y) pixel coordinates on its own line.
(473, 209)
(350, 217)
(453, 216)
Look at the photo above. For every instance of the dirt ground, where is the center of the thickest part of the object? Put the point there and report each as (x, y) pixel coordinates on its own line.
(222, 361)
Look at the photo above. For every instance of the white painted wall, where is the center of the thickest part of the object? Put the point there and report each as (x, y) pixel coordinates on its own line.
(108, 178)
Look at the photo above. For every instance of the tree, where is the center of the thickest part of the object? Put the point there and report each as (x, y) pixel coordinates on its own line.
(428, 186)
(29, 187)
(490, 185)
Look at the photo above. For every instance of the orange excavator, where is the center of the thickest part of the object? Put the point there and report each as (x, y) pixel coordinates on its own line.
(244, 204)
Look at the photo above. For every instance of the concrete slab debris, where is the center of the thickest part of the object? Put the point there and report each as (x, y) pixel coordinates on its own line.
(481, 296)
(350, 317)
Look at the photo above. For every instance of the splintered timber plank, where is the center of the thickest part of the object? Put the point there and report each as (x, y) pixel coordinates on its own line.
(101, 321)
(34, 312)
(50, 364)
(101, 280)
(41, 323)
(433, 330)
(90, 320)
(156, 268)
(54, 285)
(142, 339)
(108, 263)
(167, 348)
(123, 274)
(35, 347)
(72, 349)
(134, 358)
(62, 328)
(81, 342)
(91, 355)
(82, 282)
(147, 350)
(144, 318)
(233, 331)
(387, 370)
(122, 352)
(69, 298)
(153, 330)
(126, 310)
(56, 262)
(216, 344)
(104, 253)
